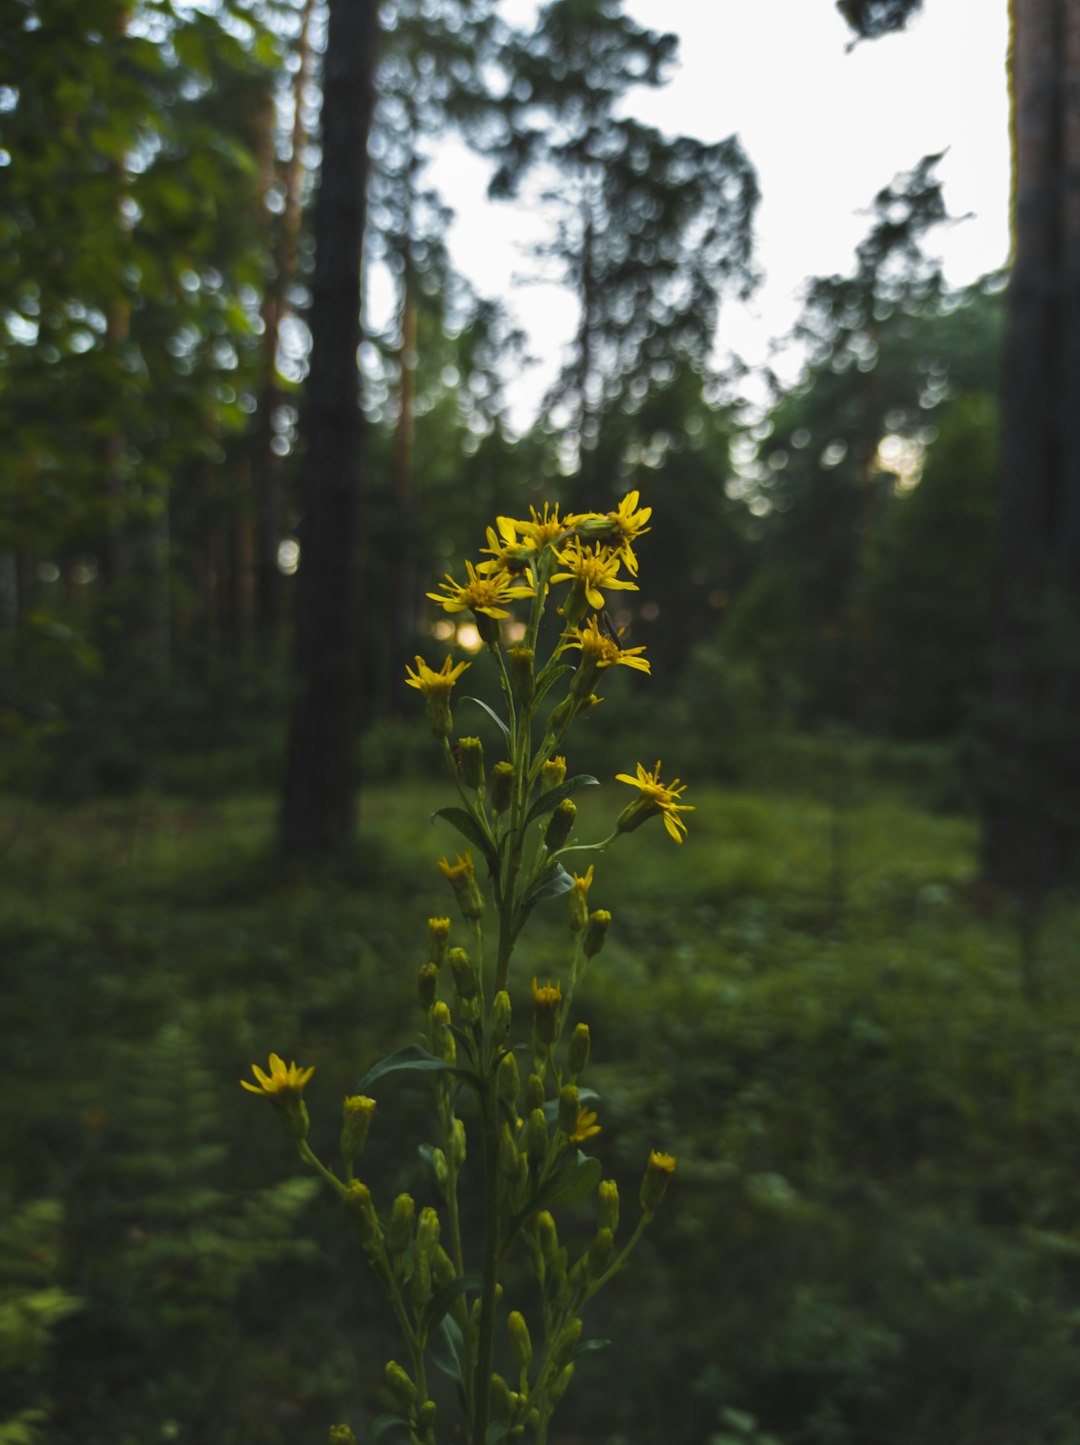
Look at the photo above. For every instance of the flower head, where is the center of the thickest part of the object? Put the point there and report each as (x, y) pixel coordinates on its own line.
(586, 1126)
(282, 1084)
(658, 1172)
(486, 596)
(544, 527)
(602, 651)
(432, 683)
(655, 797)
(507, 552)
(547, 1006)
(578, 899)
(462, 879)
(591, 568)
(620, 528)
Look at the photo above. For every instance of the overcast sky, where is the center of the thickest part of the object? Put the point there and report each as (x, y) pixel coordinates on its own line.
(825, 128)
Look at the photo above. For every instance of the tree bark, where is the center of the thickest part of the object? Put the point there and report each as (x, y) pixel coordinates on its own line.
(318, 806)
(1030, 823)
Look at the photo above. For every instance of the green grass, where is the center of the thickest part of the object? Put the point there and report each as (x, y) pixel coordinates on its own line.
(873, 1232)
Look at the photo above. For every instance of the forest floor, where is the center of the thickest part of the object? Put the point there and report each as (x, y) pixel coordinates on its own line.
(875, 1215)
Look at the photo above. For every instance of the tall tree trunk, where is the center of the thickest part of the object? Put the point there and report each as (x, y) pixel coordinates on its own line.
(268, 468)
(404, 546)
(1030, 820)
(318, 806)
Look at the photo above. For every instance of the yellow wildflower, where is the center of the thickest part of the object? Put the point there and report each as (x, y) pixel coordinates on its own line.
(603, 651)
(656, 797)
(547, 1006)
(431, 682)
(483, 595)
(586, 1126)
(591, 568)
(282, 1083)
(462, 879)
(544, 527)
(658, 1172)
(578, 899)
(507, 551)
(621, 527)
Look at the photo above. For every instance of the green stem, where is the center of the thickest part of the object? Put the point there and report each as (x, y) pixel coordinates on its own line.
(309, 1157)
(485, 1344)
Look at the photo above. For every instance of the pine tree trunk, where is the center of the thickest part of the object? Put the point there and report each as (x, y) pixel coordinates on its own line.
(1030, 824)
(318, 807)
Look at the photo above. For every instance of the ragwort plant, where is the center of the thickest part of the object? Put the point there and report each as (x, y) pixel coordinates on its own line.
(520, 820)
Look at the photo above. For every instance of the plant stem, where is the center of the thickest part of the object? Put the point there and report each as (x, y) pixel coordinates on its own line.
(486, 1333)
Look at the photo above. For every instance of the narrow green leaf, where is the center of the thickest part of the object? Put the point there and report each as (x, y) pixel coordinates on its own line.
(382, 1424)
(412, 1059)
(446, 1349)
(555, 882)
(496, 1431)
(493, 715)
(445, 1296)
(545, 683)
(550, 800)
(573, 1183)
(588, 1347)
(469, 828)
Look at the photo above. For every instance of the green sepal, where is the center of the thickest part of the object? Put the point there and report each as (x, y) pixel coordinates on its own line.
(549, 801)
(493, 715)
(469, 828)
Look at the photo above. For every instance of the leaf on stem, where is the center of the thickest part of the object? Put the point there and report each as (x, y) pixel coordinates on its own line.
(545, 683)
(469, 828)
(413, 1059)
(572, 1183)
(382, 1424)
(550, 800)
(552, 884)
(446, 1349)
(493, 715)
(445, 1296)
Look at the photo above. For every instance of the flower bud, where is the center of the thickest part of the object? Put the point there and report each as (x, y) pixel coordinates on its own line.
(534, 1093)
(341, 1435)
(520, 1343)
(421, 1283)
(457, 1144)
(470, 760)
(399, 1231)
(536, 1138)
(549, 1236)
(568, 1109)
(578, 900)
(399, 1384)
(462, 879)
(561, 718)
(425, 1420)
(509, 1079)
(547, 1007)
(561, 1383)
(607, 1205)
(658, 1174)
(508, 1156)
(361, 1211)
(357, 1115)
(442, 1267)
(520, 661)
(579, 1049)
(427, 984)
(565, 1344)
(502, 787)
(560, 825)
(552, 774)
(427, 1231)
(501, 1404)
(466, 983)
(442, 1039)
(500, 1018)
(442, 1170)
(599, 1255)
(438, 933)
(596, 932)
